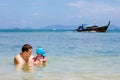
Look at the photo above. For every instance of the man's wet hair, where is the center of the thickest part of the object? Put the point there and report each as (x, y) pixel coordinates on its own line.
(26, 47)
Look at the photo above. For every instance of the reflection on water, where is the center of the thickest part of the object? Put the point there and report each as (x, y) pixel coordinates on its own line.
(29, 67)
(29, 71)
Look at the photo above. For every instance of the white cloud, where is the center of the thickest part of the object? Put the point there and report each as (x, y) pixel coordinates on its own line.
(77, 4)
(36, 14)
(93, 7)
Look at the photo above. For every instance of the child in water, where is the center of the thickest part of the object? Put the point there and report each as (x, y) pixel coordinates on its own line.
(40, 57)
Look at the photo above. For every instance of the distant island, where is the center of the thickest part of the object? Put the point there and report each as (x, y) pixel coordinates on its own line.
(60, 27)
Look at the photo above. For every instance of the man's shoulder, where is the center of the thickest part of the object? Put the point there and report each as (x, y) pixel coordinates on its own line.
(17, 56)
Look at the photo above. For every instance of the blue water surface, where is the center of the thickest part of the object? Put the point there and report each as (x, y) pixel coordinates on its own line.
(71, 55)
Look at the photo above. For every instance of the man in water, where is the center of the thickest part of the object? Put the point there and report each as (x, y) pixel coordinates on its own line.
(25, 56)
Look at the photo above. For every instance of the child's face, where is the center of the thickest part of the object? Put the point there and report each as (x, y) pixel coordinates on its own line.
(39, 55)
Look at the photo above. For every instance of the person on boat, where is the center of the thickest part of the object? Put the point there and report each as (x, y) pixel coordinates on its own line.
(79, 28)
(40, 57)
(25, 56)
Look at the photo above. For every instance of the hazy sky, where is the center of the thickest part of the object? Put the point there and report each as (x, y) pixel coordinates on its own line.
(40, 13)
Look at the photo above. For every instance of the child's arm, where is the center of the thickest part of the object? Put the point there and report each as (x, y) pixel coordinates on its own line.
(44, 59)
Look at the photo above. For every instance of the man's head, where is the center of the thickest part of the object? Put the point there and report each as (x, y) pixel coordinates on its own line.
(27, 48)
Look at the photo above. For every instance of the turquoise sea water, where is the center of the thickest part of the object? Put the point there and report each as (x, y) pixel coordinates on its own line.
(71, 55)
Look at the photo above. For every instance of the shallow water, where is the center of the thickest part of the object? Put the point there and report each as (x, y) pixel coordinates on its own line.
(71, 55)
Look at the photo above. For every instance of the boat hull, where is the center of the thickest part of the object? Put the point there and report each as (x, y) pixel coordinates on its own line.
(94, 28)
